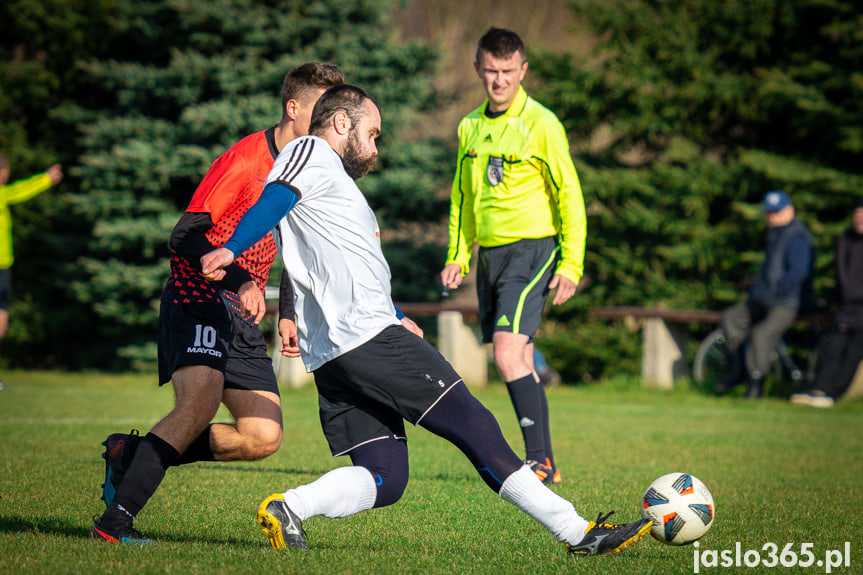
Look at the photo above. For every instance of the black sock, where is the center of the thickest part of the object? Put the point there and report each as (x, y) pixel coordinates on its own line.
(199, 450)
(146, 471)
(547, 427)
(526, 395)
(465, 422)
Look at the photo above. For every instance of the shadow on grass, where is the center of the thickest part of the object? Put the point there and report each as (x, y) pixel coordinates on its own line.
(66, 528)
(244, 466)
(418, 474)
(51, 525)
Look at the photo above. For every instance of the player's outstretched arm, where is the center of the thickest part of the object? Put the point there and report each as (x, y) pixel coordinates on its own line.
(275, 201)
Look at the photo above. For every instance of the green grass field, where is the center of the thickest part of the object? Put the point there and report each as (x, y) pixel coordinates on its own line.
(778, 473)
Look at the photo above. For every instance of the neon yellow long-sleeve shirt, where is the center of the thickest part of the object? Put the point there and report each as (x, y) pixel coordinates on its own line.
(515, 180)
(11, 194)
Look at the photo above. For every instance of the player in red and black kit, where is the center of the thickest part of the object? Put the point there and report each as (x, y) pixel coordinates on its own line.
(210, 349)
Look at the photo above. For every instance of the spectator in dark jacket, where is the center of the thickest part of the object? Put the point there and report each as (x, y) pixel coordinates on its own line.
(841, 350)
(782, 289)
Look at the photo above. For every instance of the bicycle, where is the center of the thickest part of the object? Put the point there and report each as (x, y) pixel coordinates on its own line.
(711, 362)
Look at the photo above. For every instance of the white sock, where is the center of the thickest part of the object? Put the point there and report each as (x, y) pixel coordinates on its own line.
(524, 490)
(337, 493)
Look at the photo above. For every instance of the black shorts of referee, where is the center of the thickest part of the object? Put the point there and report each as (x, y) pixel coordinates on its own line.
(512, 285)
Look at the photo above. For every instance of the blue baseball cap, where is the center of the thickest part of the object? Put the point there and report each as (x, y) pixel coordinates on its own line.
(775, 200)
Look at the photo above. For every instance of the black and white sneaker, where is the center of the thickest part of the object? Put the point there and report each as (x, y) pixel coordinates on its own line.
(813, 398)
(603, 538)
(281, 525)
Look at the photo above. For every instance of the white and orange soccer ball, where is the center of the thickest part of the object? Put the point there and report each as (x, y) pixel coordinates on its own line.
(680, 506)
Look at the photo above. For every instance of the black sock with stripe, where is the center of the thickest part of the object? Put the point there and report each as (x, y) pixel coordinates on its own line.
(546, 427)
(527, 397)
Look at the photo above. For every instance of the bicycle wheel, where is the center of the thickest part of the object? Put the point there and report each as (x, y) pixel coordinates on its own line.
(711, 361)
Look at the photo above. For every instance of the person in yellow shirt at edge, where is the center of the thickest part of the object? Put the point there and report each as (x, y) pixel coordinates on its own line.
(516, 193)
(15, 193)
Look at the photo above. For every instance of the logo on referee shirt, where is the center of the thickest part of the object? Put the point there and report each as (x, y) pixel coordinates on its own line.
(494, 171)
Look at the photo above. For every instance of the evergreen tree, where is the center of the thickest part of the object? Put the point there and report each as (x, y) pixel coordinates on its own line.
(184, 82)
(684, 114)
(40, 45)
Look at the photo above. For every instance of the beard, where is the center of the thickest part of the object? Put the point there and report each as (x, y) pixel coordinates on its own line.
(355, 163)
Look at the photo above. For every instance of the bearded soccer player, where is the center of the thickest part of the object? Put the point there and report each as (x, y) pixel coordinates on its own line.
(209, 347)
(516, 193)
(371, 371)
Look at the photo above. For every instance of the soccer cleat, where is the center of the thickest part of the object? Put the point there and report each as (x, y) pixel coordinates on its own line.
(281, 525)
(546, 472)
(118, 532)
(603, 538)
(119, 450)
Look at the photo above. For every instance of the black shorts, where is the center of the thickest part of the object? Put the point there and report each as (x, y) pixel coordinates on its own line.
(212, 335)
(5, 288)
(367, 393)
(512, 285)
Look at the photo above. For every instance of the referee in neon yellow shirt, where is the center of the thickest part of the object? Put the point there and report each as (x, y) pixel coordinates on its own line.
(15, 193)
(516, 193)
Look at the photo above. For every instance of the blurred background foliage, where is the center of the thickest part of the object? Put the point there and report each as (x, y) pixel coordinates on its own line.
(681, 114)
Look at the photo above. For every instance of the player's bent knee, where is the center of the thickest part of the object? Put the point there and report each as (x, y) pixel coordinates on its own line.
(261, 451)
(390, 488)
(264, 443)
(387, 461)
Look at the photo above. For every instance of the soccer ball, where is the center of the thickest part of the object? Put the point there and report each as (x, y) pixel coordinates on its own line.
(680, 506)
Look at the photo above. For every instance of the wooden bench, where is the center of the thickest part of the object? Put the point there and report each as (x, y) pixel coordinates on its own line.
(665, 334)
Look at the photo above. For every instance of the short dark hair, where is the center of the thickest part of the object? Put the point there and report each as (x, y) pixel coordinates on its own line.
(307, 77)
(342, 98)
(500, 43)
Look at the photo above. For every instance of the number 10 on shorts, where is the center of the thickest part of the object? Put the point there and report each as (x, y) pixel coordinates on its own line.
(205, 336)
